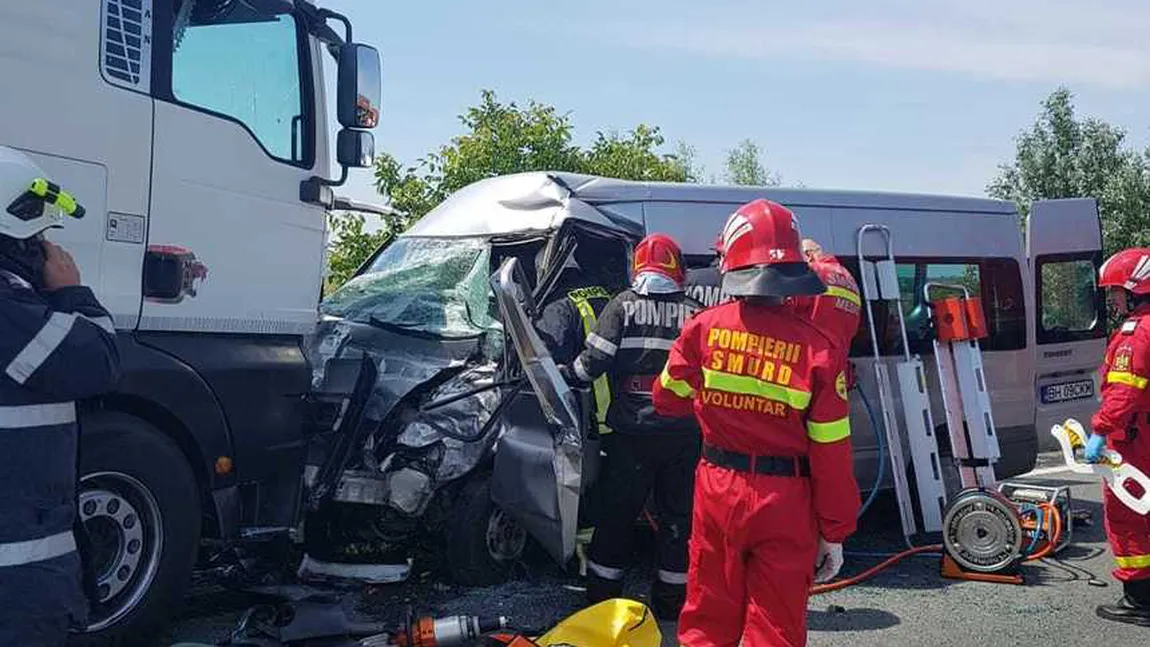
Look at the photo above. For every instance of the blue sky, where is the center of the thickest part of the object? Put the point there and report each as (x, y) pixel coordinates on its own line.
(907, 95)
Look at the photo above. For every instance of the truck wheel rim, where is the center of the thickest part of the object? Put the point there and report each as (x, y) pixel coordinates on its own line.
(505, 538)
(125, 529)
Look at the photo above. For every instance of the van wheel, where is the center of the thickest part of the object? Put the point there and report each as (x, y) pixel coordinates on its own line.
(483, 542)
(140, 507)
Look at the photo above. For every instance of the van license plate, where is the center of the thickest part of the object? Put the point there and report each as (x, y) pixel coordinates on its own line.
(1067, 391)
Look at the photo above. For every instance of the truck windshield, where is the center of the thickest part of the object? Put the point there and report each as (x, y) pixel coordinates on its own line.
(437, 286)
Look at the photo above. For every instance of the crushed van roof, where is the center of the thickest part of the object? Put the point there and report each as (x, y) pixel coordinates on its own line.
(542, 201)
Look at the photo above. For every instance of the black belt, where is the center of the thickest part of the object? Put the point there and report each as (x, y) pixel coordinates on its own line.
(767, 465)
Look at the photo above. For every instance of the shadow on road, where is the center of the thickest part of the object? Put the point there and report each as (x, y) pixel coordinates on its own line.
(851, 620)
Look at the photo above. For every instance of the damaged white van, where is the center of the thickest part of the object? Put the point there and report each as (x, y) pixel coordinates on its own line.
(456, 445)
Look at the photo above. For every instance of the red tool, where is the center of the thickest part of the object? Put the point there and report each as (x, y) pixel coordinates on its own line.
(451, 631)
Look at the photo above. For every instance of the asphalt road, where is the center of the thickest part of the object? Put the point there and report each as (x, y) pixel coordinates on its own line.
(909, 604)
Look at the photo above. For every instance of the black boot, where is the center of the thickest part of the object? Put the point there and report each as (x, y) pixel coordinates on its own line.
(1132, 608)
(600, 589)
(667, 600)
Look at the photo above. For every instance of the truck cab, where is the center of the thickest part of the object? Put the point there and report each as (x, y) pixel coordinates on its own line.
(196, 133)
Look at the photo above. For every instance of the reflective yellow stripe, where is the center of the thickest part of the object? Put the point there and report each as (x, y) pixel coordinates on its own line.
(1133, 561)
(1129, 379)
(843, 293)
(746, 385)
(600, 387)
(829, 432)
(679, 387)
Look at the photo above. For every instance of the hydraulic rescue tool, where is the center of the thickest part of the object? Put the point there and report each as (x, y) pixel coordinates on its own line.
(1023, 495)
(321, 620)
(452, 631)
(607, 624)
(987, 533)
(610, 623)
(988, 530)
(1117, 473)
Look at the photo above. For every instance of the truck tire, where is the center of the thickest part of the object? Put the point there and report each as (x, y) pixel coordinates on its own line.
(483, 543)
(140, 505)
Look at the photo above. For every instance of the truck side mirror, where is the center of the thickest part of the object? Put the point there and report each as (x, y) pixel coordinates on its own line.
(358, 87)
(355, 148)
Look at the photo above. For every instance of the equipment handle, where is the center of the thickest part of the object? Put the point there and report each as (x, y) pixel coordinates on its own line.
(1116, 472)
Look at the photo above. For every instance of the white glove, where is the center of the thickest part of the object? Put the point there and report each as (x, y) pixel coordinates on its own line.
(828, 562)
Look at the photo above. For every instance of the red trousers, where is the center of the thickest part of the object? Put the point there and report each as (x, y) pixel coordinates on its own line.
(752, 553)
(1128, 531)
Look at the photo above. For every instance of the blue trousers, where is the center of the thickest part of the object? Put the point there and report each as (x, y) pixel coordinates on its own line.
(40, 602)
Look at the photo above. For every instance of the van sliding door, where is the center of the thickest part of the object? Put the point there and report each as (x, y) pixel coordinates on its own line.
(1064, 240)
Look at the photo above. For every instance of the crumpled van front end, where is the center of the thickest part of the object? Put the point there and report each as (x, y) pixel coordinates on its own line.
(448, 389)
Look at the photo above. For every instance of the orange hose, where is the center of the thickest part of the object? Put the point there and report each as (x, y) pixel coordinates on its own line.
(1054, 524)
(874, 570)
(1054, 527)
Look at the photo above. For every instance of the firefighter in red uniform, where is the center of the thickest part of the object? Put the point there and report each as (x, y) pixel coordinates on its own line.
(775, 493)
(838, 310)
(1123, 424)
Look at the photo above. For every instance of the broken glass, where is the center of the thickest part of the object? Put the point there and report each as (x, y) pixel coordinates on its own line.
(435, 286)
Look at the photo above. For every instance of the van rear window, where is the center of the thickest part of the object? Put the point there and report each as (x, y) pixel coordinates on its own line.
(997, 281)
(1070, 306)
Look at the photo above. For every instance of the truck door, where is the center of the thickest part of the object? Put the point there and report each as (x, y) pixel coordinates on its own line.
(235, 134)
(539, 460)
(1064, 239)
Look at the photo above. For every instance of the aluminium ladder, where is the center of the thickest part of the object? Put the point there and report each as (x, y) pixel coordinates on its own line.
(880, 283)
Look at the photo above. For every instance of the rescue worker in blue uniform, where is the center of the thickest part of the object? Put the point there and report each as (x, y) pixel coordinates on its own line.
(647, 457)
(581, 292)
(57, 345)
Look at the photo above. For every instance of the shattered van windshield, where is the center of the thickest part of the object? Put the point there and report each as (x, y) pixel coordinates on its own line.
(431, 285)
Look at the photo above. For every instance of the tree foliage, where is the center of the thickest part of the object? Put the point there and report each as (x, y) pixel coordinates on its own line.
(1063, 156)
(745, 166)
(504, 138)
(349, 245)
(500, 138)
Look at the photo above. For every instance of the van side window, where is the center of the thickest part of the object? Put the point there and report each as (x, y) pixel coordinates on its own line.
(997, 281)
(251, 68)
(1070, 307)
(699, 261)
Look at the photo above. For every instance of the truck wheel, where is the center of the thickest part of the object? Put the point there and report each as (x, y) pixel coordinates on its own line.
(483, 542)
(140, 505)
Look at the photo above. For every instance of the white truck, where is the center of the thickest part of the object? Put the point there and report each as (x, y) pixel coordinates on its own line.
(196, 132)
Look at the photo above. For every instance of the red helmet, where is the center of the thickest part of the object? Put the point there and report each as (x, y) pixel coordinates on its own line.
(659, 253)
(761, 253)
(1128, 269)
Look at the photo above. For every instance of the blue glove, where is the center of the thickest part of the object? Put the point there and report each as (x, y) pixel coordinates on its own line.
(1094, 446)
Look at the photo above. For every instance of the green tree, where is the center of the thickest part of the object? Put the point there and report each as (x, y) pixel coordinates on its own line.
(745, 166)
(688, 157)
(349, 245)
(1063, 156)
(504, 138)
(501, 138)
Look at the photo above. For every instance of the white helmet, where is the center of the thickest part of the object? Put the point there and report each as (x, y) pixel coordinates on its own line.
(29, 202)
